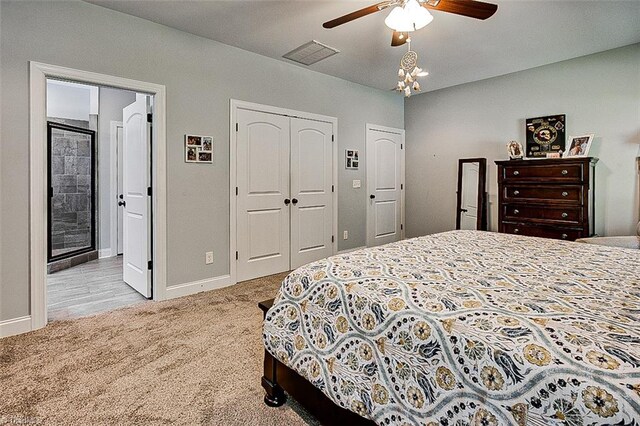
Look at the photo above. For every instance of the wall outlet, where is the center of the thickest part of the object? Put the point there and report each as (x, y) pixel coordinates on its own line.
(208, 258)
(345, 235)
(357, 183)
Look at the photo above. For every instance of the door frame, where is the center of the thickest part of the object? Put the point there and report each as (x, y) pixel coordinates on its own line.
(394, 131)
(113, 207)
(38, 182)
(234, 106)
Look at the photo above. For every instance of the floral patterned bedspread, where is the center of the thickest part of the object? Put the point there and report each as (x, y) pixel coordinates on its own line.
(468, 328)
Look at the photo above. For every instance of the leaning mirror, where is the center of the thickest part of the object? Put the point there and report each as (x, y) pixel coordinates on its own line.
(472, 196)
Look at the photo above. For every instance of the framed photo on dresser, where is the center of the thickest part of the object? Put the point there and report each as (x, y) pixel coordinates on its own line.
(579, 146)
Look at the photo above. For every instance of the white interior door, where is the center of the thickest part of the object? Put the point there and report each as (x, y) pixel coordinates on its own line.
(469, 201)
(263, 218)
(384, 185)
(311, 191)
(119, 166)
(135, 181)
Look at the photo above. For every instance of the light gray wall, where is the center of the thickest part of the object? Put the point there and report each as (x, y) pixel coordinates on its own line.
(111, 103)
(201, 76)
(599, 94)
(72, 102)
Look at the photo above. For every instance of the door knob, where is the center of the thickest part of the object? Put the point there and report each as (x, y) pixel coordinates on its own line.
(286, 201)
(464, 210)
(294, 201)
(122, 203)
(121, 196)
(372, 196)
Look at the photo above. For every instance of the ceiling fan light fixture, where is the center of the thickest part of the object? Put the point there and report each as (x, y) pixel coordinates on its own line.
(398, 20)
(420, 16)
(407, 18)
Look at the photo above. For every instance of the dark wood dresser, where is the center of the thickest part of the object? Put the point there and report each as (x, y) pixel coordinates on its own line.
(550, 198)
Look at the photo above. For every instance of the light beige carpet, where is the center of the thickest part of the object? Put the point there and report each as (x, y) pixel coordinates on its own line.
(194, 360)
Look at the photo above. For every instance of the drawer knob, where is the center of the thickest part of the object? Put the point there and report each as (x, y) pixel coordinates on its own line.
(565, 215)
(565, 194)
(516, 192)
(515, 231)
(565, 236)
(565, 172)
(516, 211)
(516, 173)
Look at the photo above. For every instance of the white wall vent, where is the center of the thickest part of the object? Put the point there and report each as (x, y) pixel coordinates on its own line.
(310, 53)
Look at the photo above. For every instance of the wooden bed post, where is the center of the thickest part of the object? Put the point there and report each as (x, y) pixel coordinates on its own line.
(275, 396)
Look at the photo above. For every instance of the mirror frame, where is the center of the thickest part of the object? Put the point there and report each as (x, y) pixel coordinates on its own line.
(481, 224)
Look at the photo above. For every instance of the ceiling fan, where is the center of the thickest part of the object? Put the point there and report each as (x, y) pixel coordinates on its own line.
(411, 15)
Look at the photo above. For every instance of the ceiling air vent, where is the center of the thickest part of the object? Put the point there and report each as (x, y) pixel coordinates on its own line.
(310, 53)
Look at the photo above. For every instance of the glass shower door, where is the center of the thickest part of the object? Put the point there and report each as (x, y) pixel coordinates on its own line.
(71, 193)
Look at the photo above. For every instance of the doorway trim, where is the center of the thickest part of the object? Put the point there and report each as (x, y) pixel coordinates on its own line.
(113, 195)
(234, 106)
(38, 74)
(394, 131)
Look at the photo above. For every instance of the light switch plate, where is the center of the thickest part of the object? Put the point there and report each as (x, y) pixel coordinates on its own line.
(208, 259)
(356, 183)
(345, 235)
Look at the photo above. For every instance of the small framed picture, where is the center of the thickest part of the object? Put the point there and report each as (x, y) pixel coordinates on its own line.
(205, 157)
(191, 154)
(579, 145)
(515, 150)
(207, 143)
(351, 161)
(192, 140)
(198, 149)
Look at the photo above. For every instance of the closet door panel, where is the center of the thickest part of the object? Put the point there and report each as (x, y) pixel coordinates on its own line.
(311, 191)
(263, 227)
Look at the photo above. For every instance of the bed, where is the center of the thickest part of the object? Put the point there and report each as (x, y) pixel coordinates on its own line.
(461, 328)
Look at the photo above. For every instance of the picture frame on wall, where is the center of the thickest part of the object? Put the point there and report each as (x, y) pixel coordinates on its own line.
(545, 135)
(352, 160)
(579, 146)
(190, 155)
(198, 149)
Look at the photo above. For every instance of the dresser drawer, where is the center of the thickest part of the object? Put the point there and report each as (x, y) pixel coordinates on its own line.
(566, 215)
(544, 172)
(572, 194)
(531, 230)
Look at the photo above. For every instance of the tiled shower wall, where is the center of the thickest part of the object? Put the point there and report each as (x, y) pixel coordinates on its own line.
(71, 158)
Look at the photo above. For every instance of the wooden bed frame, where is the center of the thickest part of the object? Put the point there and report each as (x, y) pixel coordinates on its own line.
(278, 379)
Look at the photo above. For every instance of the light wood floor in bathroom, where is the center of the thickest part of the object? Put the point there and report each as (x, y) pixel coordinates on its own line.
(88, 289)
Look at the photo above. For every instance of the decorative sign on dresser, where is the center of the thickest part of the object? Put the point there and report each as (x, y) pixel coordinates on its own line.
(547, 198)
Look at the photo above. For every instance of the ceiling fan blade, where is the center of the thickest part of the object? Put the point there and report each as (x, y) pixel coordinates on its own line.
(398, 38)
(470, 8)
(357, 14)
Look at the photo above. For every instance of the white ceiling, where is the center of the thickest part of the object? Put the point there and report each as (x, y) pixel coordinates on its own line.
(454, 49)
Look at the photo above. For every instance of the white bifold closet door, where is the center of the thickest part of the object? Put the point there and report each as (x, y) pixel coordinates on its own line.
(284, 201)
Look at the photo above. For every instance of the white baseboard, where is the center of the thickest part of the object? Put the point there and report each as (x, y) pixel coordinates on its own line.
(350, 250)
(15, 326)
(198, 286)
(102, 253)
